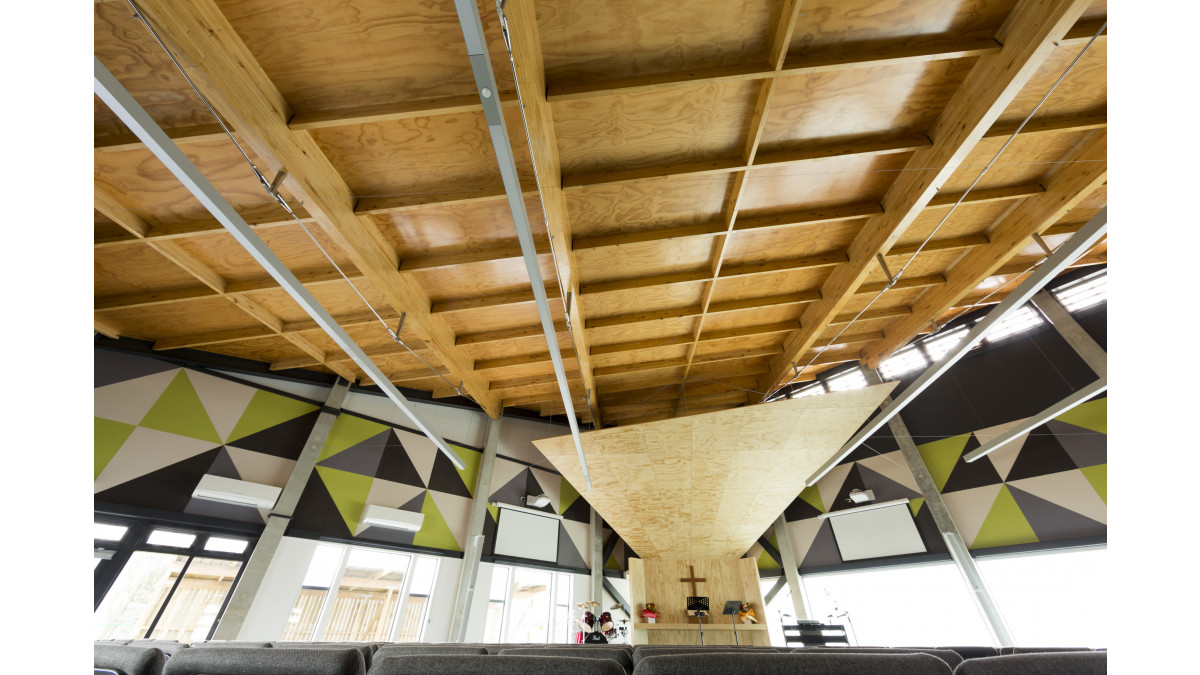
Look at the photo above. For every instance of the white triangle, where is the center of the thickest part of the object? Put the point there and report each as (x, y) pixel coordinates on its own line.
(129, 401)
(391, 494)
(1068, 489)
(503, 472)
(421, 451)
(969, 508)
(892, 465)
(831, 483)
(456, 511)
(259, 467)
(551, 484)
(224, 401)
(578, 532)
(146, 451)
(803, 533)
(1004, 457)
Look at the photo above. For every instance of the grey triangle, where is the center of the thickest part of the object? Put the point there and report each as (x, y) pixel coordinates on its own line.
(362, 459)
(1051, 521)
(223, 466)
(416, 503)
(1084, 446)
(824, 550)
(568, 556)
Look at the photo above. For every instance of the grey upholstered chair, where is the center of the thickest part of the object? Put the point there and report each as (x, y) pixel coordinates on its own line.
(622, 657)
(127, 659)
(494, 665)
(367, 649)
(1045, 663)
(951, 657)
(242, 661)
(763, 663)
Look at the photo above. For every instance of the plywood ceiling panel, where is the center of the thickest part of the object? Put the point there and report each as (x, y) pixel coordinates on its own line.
(827, 24)
(646, 204)
(736, 469)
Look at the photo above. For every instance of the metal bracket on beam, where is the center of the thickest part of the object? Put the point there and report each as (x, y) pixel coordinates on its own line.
(886, 272)
(1042, 242)
(399, 327)
(273, 190)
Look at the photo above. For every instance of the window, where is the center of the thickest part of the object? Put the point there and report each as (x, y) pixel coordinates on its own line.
(162, 583)
(1017, 321)
(898, 606)
(1051, 599)
(1083, 293)
(939, 345)
(778, 612)
(904, 361)
(352, 594)
(851, 379)
(534, 607)
(814, 390)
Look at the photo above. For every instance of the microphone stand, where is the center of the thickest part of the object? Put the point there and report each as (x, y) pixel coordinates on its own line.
(700, 622)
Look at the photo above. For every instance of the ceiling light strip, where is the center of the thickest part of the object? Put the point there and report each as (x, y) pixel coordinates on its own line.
(1079, 244)
(489, 96)
(131, 113)
(1079, 396)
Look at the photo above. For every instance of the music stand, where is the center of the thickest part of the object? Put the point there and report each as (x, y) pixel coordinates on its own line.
(732, 607)
(698, 605)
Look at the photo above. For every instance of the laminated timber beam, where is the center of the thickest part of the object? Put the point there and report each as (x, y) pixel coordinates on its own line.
(1065, 188)
(1028, 36)
(245, 95)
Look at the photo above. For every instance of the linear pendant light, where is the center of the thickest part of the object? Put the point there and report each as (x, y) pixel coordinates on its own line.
(141, 124)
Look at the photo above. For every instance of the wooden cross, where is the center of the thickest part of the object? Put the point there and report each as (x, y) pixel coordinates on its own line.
(693, 579)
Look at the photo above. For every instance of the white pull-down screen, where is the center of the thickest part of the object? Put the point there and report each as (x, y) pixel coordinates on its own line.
(525, 533)
(876, 531)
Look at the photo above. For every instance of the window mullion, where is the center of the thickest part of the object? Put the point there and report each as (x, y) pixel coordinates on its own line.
(331, 597)
(398, 615)
(170, 594)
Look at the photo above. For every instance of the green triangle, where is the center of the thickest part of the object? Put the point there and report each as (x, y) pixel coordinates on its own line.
(179, 411)
(1005, 525)
(766, 562)
(1091, 415)
(435, 533)
(941, 456)
(812, 495)
(567, 496)
(108, 436)
(348, 430)
(1098, 476)
(349, 492)
(914, 505)
(471, 459)
(494, 512)
(612, 563)
(267, 410)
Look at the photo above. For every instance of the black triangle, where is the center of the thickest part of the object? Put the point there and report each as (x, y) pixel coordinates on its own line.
(284, 440)
(885, 488)
(824, 550)
(205, 507)
(396, 465)
(1051, 522)
(489, 534)
(1041, 454)
(800, 510)
(387, 535)
(445, 478)
(853, 481)
(317, 512)
(579, 511)
(568, 555)
(113, 367)
(966, 475)
(928, 529)
(167, 489)
(512, 491)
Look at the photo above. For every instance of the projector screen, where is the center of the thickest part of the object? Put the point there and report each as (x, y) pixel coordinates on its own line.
(876, 532)
(526, 534)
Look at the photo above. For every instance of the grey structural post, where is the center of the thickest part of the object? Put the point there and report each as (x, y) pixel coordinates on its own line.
(790, 567)
(988, 609)
(470, 565)
(1066, 325)
(597, 559)
(268, 542)
(775, 588)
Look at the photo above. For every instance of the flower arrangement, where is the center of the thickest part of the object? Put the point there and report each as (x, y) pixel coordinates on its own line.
(746, 613)
(650, 613)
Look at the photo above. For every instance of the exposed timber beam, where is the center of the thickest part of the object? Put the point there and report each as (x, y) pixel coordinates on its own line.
(1028, 36)
(243, 93)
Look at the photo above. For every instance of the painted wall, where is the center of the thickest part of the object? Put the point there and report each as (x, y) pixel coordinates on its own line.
(1049, 485)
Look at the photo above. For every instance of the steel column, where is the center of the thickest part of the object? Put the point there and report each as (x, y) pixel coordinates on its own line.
(1066, 325)
(470, 565)
(791, 570)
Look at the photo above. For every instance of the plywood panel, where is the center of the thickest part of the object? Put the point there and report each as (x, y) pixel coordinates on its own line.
(324, 55)
(833, 23)
(642, 299)
(602, 41)
(763, 285)
(471, 226)
(704, 502)
(647, 204)
(657, 580)
(643, 259)
(1083, 91)
(816, 183)
(1028, 159)
(793, 242)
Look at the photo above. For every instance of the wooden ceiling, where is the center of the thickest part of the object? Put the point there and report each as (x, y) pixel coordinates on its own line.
(719, 180)
(707, 486)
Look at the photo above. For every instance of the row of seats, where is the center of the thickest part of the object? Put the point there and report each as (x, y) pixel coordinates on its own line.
(306, 658)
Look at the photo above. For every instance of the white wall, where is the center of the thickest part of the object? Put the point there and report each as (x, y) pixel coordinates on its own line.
(269, 613)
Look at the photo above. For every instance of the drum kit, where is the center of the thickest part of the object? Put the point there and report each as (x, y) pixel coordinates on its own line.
(600, 629)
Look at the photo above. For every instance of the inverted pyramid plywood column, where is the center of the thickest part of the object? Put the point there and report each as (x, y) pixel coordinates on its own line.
(706, 486)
